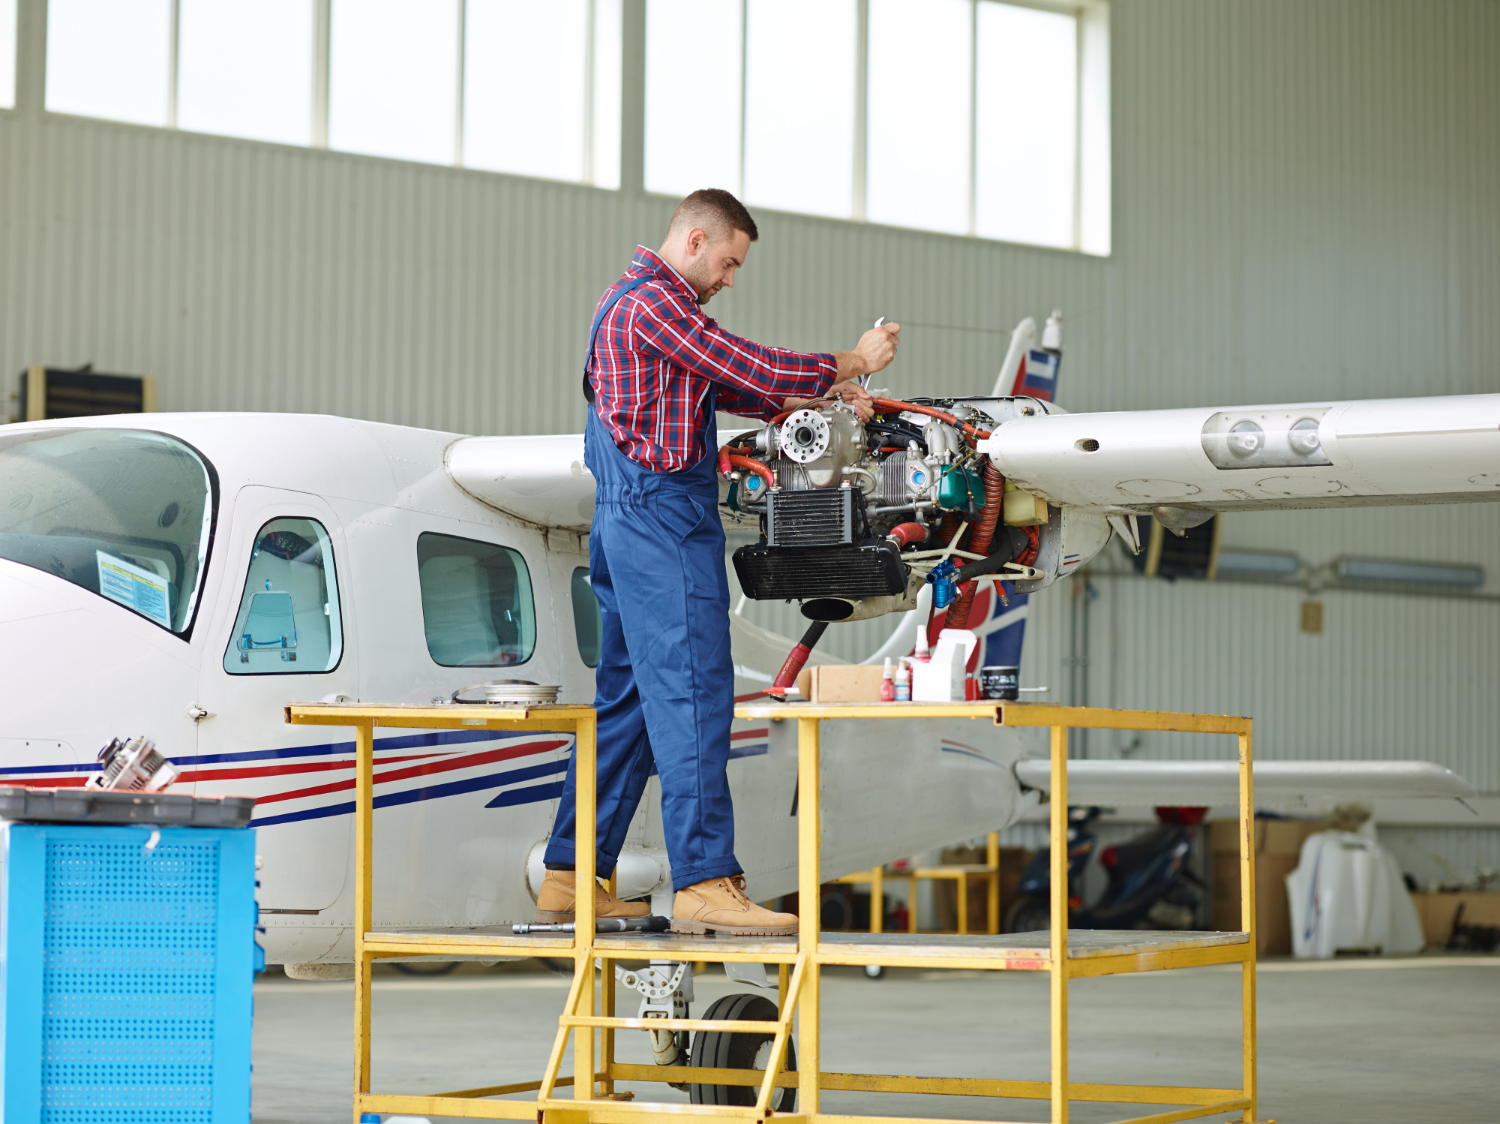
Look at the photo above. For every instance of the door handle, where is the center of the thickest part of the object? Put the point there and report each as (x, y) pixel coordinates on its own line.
(196, 712)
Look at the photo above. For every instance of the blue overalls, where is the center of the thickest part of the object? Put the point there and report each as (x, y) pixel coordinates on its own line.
(664, 687)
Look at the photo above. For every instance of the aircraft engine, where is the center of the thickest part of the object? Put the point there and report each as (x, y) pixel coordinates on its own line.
(855, 517)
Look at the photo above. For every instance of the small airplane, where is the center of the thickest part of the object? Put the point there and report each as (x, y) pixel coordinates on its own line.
(185, 576)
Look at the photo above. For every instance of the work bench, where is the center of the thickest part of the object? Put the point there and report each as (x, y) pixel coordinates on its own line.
(589, 1016)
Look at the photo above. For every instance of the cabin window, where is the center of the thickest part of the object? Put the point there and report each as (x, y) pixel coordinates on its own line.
(588, 624)
(477, 608)
(289, 621)
(123, 513)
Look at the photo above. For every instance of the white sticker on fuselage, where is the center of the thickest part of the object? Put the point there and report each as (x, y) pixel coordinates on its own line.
(134, 587)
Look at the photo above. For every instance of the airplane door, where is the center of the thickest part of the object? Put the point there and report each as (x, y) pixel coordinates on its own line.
(283, 631)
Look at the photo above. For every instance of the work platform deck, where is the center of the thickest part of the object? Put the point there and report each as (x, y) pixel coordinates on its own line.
(1127, 950)
(1062, 953)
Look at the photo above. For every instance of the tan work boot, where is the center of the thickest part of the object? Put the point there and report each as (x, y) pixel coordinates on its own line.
(720, 905)
(556, 901)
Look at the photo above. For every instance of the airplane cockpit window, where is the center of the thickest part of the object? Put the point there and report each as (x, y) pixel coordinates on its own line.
(288, 621)
(123, 513)
(588, 625)
(476, 602)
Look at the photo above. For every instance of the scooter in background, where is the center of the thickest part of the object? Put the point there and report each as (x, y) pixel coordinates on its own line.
(1150, 885)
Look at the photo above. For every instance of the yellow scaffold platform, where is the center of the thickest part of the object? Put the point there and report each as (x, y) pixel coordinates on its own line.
(589, 1012)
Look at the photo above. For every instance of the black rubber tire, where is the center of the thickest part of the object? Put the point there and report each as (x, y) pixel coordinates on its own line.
(427, 968)
(1028, 916)
(722, 1049)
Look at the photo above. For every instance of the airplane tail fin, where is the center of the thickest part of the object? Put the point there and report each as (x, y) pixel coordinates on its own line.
(1028, 370)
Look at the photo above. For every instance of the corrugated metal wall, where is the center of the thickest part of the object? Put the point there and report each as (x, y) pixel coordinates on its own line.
(1305, 206)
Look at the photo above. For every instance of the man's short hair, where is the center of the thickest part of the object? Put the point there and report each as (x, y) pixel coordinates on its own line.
(714, 211)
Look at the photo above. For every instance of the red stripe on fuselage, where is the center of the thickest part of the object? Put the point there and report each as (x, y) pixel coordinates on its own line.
(287, 770)
(526, 749)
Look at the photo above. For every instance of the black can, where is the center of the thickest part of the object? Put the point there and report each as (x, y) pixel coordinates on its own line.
(1000, 682)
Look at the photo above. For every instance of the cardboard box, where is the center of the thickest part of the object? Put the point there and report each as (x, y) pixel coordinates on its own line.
(1438, 910)
(1278, 844)
(841, 682)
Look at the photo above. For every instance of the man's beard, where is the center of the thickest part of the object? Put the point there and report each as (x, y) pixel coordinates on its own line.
(697, 277)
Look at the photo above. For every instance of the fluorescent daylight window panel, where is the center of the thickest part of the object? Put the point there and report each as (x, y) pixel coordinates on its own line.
(918, 122)
(525, 85)
(244, 68)
(799, 105)
(108, 58)
(7, 53)
(1026, 127)
(608, 44)
(393, 78)
(693, 93)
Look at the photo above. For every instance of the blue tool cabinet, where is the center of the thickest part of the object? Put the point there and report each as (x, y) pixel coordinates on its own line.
(127, 955)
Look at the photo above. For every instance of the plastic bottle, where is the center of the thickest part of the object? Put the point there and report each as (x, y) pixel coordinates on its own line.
(903, 682)
(923, 650)
(887, 683)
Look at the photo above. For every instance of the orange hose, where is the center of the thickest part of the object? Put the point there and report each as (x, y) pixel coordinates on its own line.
(979, 542)
(891, 405)
(746, 464)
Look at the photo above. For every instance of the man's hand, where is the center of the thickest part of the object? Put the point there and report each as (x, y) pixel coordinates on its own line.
(874, 352)
(848, 392)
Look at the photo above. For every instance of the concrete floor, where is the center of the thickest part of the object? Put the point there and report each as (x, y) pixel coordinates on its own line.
(1376, 1041)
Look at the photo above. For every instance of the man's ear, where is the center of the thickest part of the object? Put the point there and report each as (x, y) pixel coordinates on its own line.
(696, 240)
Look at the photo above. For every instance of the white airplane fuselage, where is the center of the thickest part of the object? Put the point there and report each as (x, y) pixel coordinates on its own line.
(458, 814)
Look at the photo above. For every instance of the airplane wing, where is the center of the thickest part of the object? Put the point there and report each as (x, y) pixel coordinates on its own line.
(1318, 454)
(540, 480)
(1288, 785)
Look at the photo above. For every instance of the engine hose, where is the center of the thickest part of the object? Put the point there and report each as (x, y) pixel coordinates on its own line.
(1029, 555)
(787, 676)
(979, 542)
(891, 405)
(728, 462)
(907, 534)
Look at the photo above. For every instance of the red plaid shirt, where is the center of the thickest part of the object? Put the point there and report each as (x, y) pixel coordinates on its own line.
(657, 356)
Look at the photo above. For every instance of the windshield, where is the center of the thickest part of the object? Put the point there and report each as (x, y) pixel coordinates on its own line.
(123, 513)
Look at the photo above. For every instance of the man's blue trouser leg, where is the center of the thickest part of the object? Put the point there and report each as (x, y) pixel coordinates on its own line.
(665, 678)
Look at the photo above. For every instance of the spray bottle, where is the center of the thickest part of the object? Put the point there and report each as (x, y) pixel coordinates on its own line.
(903, 681)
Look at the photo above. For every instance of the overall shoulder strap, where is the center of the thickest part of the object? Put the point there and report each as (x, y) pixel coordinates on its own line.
(604, 309)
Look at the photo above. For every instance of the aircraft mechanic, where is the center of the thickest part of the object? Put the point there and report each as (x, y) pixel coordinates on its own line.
(656, 371)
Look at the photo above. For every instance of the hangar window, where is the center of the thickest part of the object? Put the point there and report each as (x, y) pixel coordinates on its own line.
(245, 68)
(122, 513)
(393, 78)
(588, 622)
(288, 622)
(969, 117)
(7, 53)
(553, 113)
(477, 608)
(110, 58)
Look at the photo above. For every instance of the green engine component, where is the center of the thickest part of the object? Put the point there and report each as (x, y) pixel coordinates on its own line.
(962, 489)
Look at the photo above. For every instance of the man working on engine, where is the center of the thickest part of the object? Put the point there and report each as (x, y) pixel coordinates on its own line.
(656, 371)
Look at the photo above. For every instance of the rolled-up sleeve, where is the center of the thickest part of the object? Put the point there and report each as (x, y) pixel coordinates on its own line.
(753, 380)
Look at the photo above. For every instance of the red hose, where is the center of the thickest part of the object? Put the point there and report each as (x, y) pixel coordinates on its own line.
(1028, 556)
(908, 534)
(797, 657)
(979, 542)
(728, 462)
(891, 405)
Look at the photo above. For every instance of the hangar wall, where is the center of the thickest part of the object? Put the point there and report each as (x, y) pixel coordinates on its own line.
(1304, 206)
